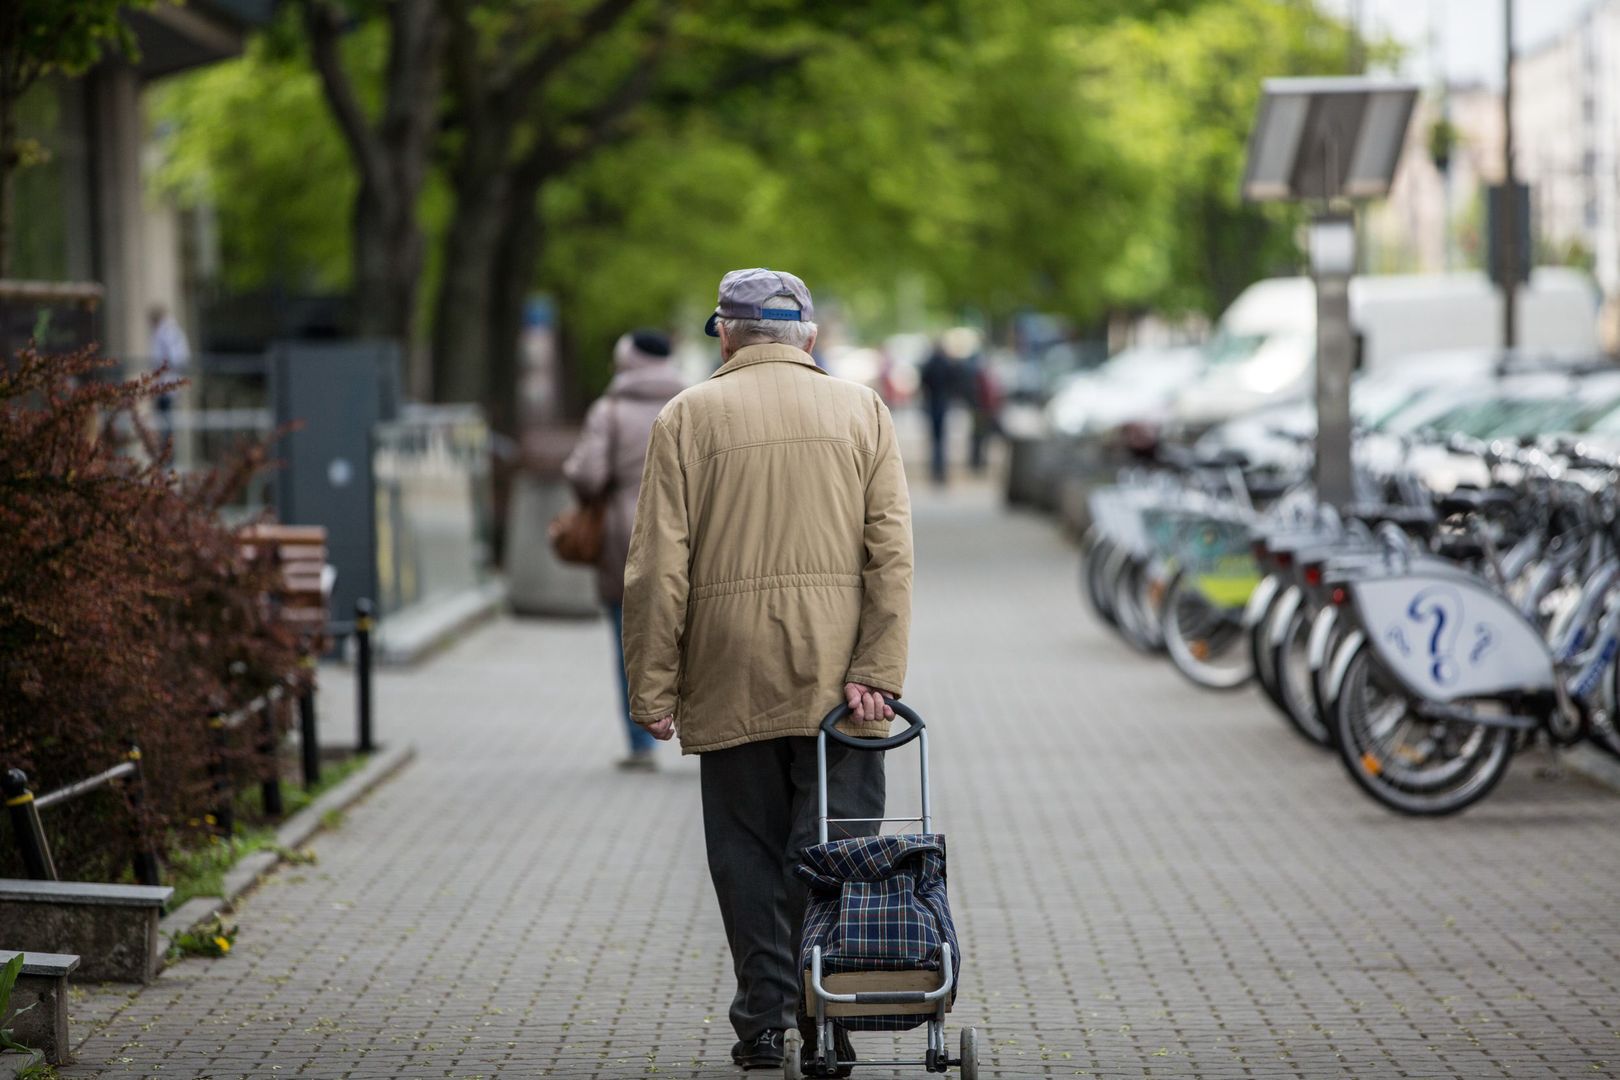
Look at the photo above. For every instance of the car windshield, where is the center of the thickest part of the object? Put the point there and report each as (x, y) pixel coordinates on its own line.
(1604, 420)
(1383, 410)
(1225, 348)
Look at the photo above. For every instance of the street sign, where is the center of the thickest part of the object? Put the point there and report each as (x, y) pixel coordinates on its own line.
(1494, 224)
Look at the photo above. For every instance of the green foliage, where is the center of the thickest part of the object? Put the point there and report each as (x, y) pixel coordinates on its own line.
(1078, 156)
(38, 37)
(1183, 92)
(9, 972)
(252, 137)
(211, 938)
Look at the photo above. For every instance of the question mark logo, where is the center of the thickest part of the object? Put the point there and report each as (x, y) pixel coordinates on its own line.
(1441, 606)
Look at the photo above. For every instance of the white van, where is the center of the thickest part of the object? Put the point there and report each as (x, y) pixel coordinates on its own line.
(1264, 347)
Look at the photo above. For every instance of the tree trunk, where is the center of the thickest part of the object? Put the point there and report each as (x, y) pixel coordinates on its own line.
(460, 323)
(8, 178)
(516, 256)
(380, 310)
(461, 316)
(390, 158)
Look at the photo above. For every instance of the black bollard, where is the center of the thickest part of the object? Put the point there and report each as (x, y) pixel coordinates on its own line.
(270, 786)
(219, 769)
(25, 825)
(146, 861)
(309, 739)
(362, 641)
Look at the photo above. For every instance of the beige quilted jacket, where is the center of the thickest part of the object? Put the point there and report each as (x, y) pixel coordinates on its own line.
(771, 559)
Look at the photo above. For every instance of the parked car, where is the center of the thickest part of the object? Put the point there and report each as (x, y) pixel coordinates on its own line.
(1264, 349)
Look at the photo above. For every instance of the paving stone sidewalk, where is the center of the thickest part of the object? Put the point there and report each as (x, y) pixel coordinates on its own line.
(1150, 881)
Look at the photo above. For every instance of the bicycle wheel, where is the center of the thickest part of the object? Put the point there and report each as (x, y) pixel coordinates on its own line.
(1408, 762)
(1133, 604)
(1606, 730)
(1265, 673)
(1291, 661)
(1326, 627)
(1204, 640)
(1095, 550)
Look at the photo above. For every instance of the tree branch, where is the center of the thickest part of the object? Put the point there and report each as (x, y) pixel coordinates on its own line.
(603, 17)
(324, 26)
(606, 122)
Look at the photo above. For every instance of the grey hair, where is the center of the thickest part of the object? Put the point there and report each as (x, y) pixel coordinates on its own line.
(742, 332)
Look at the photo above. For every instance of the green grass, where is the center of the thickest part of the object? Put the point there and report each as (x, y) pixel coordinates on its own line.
(198, 862)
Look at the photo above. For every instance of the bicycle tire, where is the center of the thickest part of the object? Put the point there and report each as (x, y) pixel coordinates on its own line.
(1391, 787)
(1217, 641)
(1289, 661)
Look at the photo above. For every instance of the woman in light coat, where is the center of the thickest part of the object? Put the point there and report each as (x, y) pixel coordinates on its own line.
(607, 463)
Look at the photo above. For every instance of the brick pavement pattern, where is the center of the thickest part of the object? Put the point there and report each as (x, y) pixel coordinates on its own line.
(1150, 881)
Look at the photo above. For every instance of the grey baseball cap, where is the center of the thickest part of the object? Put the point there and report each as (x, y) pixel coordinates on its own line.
(743, 294)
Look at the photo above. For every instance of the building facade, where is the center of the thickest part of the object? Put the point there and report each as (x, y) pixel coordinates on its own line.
(83, 214)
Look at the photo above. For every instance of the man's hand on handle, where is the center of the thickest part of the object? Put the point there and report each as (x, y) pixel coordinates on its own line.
(867, 703)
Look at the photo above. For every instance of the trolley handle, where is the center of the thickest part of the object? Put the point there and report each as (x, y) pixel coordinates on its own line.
(829, 727)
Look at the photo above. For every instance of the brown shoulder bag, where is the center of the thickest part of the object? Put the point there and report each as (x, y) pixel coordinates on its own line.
(577, 533)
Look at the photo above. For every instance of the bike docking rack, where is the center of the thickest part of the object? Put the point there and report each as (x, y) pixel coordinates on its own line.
(24, 808)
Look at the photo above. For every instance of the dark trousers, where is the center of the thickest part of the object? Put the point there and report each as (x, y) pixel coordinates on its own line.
(759, 811)
(938, 432)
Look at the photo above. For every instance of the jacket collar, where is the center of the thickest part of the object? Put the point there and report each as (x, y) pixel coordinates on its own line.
(765, 354)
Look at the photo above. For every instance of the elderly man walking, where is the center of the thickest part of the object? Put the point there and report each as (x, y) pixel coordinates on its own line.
(769, 579)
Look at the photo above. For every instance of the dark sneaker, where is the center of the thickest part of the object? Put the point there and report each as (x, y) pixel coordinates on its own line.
(761, 1052)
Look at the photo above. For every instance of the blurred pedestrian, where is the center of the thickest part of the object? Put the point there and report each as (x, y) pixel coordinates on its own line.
(941, 380)
(170, 355)
(769, 579)
(606, 464)
(986, 401)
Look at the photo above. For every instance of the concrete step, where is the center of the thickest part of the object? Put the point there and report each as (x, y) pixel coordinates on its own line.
(113, 927)
(43, 985)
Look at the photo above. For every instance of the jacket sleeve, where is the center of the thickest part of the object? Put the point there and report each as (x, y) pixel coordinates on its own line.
(588, 469)
(880, 649)
(656, 581)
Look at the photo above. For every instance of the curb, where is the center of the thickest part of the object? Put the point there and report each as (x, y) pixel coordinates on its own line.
(1594, 764)
(293, 833)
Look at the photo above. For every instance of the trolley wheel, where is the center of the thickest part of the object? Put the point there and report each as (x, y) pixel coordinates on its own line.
(970, 1053)
(792, 1055)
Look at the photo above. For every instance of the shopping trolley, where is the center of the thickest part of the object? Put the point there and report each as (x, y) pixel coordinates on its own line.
(879, 945)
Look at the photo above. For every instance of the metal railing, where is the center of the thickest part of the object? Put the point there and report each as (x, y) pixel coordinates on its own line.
(24, 808)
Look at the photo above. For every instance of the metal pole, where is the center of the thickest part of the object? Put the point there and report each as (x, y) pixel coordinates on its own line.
(1509, 218)
(309, 739)
(270, 786)
(1335, 359)
(224, 812)
(362, 640)
(25, 825)
(145, 862)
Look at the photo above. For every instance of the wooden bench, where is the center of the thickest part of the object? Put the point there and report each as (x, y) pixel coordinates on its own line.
(299, 551)
(43, 985)
(112, 928)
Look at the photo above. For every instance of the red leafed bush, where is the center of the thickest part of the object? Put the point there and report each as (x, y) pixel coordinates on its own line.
(128, 612)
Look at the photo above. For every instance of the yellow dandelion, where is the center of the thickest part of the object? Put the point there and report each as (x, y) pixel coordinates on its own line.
(223, 943)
